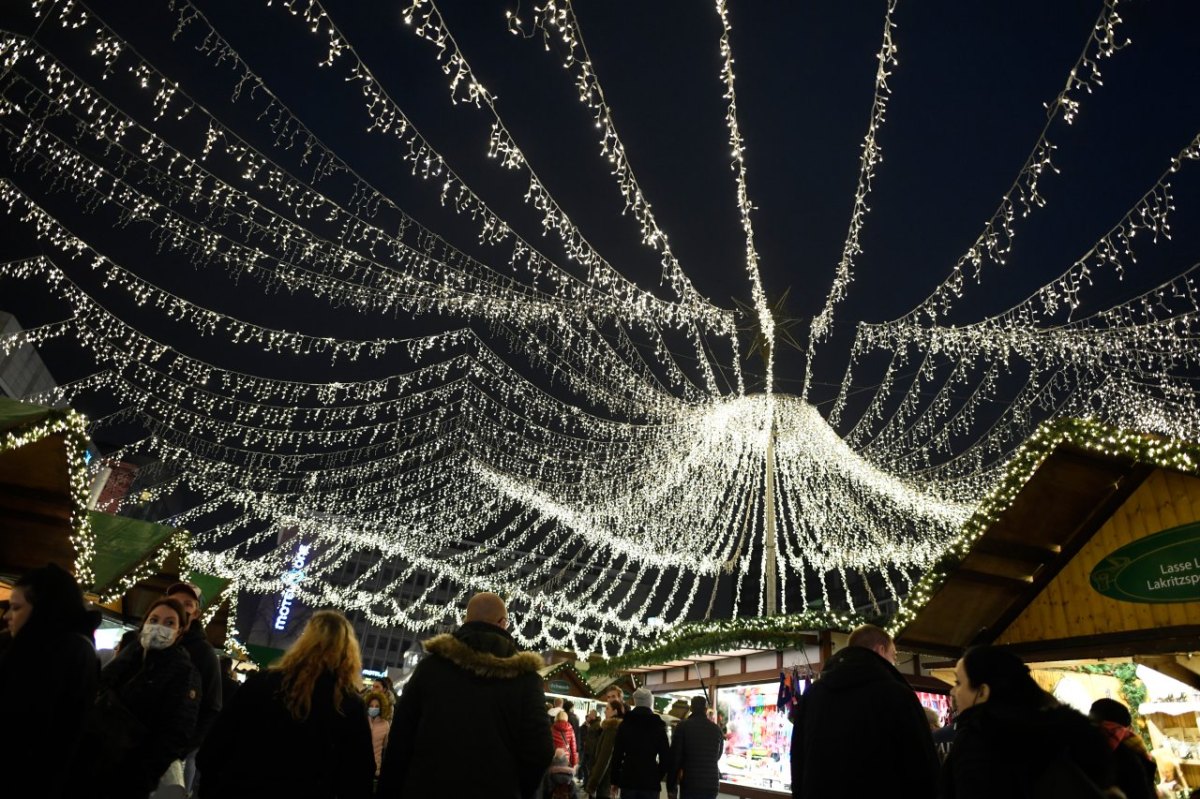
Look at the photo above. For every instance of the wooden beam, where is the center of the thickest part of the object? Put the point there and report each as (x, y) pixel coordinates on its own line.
(1102, 511)
(825, 643)
(53, 520)
(716, 680)
(994, 580)
(1156, 641)
(929, 647)
(1168, 665)
(27, 494)
(1015, 550)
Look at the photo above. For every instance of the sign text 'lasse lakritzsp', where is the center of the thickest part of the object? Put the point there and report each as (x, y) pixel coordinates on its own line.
(1163, 567)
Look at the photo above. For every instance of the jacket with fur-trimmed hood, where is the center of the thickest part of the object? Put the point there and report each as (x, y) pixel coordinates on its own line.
(470, 722)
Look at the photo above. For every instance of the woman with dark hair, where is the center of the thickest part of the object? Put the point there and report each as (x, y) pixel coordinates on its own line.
(51, 645)
(299, 729)
(600, 778)
(148, 711)
(1016, 740)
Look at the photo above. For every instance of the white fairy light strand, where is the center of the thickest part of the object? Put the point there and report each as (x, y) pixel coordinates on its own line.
(737, 148)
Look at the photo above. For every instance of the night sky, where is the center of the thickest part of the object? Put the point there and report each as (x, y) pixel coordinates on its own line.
(966, 108)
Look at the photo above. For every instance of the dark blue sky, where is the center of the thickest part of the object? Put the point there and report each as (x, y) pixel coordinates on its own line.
(966, 108)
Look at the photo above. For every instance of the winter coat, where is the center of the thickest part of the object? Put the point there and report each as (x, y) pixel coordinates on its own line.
(229, 687)
(1002, 751)
(600, 771)
(471, 721)
(591, 741)
(1133, 772)
(564, 739)
(161, 689)
(641, 751)
(257, 748)
(861, 710)
(204, 658)
(943, 740)
(44, 743)
(379, 735)
(695, 750)
(573, 718)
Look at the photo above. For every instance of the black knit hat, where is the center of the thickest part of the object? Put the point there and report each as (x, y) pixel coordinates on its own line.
(1110, 710)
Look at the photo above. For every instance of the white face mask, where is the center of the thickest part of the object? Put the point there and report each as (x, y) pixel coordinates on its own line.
(156, 636)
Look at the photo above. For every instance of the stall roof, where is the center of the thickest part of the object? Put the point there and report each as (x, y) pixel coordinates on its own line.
(693, 660)
(600, 683)
(123, 544)
(1063, 487)
(43, 486)
(264, 655)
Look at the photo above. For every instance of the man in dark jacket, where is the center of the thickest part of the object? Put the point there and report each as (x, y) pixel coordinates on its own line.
(641, 750)
(472, 720)
(695, 750)
(862, 710)
(590, 731)
(204, 658)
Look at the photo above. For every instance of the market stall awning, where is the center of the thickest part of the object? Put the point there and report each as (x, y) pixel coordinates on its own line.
(149, 587)
(122, 545)
(1020, 574)
(264, 655)
(43, 484)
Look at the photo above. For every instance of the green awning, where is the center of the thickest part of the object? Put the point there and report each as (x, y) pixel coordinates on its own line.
(210, 587)
(122, 544)
(14, 413)
(264, 655)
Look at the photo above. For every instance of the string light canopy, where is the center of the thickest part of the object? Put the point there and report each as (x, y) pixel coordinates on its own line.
(505, 406)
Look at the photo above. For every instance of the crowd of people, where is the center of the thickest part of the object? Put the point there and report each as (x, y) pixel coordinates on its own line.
(165, 718)
(1010, 738)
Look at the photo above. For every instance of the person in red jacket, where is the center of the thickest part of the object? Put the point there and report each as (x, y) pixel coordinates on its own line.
(564, 737)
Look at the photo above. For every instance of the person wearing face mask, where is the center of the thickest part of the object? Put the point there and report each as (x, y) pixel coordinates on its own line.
(51, 645)
(1015, 740)
(194, 641)
(379, 711)
(148, 715)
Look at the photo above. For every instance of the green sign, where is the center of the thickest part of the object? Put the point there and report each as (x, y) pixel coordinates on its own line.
(1164, 567)
(560, 687)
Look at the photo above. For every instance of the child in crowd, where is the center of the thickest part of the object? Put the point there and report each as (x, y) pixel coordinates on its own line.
(561, 777)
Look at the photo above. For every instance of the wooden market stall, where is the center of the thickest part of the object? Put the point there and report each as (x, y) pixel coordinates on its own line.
(563, 679)
(136, 561)
(738, 665)
(1088, 552)
(43, 489)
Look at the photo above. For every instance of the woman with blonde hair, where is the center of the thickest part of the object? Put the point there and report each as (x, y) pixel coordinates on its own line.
(299, 729)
